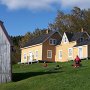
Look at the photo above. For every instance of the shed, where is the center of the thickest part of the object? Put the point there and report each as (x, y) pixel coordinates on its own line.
(5, 55)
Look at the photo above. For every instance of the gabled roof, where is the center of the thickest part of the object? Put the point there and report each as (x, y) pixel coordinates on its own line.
(39, 39)
(69, 35)
(77, 35)
(5, 32)
(86, 42)
(74, 36)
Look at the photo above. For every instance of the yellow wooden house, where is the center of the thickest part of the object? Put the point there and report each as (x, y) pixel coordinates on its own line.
(54, 47)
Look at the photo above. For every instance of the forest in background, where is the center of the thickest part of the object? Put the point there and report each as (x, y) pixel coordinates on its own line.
(71, 22)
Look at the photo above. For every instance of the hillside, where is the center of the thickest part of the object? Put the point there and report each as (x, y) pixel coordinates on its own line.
(37, 77)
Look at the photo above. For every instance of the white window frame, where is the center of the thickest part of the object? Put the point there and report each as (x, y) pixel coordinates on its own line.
(25, 56)
(63, 38)
(51, 53)
(59, 54)
(36, 54)
(53, 41)
(82, 52)
(69, 52)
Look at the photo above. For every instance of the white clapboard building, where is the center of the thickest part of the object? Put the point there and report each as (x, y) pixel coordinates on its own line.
(5, 55)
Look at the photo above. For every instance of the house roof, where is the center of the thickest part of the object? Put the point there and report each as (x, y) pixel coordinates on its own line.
(77, 35)
(74, 36)
(39, 39)
(86, 42)
(5, 32)
(69, 35)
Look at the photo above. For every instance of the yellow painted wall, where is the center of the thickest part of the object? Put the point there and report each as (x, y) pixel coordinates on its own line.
(64, 47)
(33, 50)
(84, 51)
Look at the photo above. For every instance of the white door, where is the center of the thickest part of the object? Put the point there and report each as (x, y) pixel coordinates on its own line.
(31, 57)
(80, 53)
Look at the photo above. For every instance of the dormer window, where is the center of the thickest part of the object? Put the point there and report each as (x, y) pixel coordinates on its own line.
(65, 40)
(81, 39)
(52, 41)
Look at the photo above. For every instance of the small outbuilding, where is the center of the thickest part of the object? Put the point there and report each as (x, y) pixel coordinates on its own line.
(5, 55)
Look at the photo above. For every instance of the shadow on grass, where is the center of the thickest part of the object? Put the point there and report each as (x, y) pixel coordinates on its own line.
(21, 76)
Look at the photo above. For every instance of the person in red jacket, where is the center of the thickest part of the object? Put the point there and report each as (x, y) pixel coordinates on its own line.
(77, 61)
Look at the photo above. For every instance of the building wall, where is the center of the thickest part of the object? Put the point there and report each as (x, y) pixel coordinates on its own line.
(32, 49)
(5, 58)
(88, 51)
(47, 46)
(84, 51)
(64, 48)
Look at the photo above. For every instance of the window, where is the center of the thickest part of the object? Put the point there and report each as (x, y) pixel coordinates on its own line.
(49, 54)
(36, 53)
(60, 54)
(81, 39)
(25, 56)
(65, 40)
(80, 52)
(52, 41)
(70, 52)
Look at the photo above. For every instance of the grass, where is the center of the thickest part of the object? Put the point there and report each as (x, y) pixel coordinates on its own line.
(37, 77)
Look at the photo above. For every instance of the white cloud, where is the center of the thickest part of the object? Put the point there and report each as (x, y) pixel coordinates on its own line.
(72, 3)
(44, 4)
(30, 4)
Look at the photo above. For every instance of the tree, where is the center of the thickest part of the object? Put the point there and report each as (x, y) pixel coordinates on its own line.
(73, 21)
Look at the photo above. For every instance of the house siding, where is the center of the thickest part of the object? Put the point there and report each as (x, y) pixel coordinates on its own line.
(47, 46)
(5, 58)
(64, 47)
(84, 51)
(32, 49)
(88, 51)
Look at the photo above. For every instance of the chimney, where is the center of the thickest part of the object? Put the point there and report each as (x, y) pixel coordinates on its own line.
(47, 31)
(82, 30)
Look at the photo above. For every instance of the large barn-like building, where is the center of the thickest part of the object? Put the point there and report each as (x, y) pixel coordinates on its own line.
(5, 55)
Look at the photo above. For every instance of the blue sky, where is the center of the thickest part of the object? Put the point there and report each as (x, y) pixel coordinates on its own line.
(21, 16)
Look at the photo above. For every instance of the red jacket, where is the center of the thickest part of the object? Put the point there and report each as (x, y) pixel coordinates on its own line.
(77, 59)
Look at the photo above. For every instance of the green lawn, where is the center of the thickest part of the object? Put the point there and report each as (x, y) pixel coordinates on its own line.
(37, 77)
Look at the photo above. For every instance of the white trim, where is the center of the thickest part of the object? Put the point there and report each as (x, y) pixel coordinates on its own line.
(86, 50)
(64, 36)
(51, 53)
(52, 41)
(72, 52)
(25, 56)
(30, 56)
(35, 54)
(59, 54)
(31, 46)
(82, 52)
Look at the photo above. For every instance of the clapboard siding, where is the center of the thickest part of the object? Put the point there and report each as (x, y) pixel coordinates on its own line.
(5, 56)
